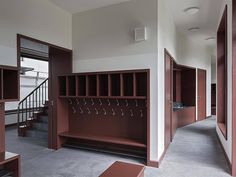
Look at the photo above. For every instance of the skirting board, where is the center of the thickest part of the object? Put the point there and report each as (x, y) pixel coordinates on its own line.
(157, 164)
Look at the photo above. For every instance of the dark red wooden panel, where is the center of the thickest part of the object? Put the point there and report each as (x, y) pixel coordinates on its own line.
(168, 98)
(201, 98)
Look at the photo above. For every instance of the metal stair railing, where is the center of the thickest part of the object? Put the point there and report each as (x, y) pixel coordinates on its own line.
(31, 104)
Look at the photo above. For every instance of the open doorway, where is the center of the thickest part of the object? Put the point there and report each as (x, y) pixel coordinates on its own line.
(34, 98)
(33, 106)
(40, 64)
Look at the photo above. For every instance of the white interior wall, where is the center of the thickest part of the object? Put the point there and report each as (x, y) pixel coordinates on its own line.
(38, 19)
(227, 144)
(103, 40)
(185, 52)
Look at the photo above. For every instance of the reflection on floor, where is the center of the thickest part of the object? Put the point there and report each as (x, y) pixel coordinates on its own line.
(195, 152)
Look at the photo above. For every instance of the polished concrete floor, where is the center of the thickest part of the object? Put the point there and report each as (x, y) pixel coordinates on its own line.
(195, 152)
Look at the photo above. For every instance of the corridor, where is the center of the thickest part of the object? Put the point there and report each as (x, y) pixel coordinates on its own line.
(195, 152)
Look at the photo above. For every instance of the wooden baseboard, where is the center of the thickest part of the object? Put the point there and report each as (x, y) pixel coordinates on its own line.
(225, 154)
(162, 157)
(157, 164)
(154, 164)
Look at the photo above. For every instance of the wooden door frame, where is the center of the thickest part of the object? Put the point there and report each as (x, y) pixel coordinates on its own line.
(51, 137)
(198, 69)
(171, 119)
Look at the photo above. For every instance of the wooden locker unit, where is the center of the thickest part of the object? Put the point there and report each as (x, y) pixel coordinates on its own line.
(9, 91)
(110, 111)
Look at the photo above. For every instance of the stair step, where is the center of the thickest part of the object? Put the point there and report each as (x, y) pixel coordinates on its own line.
(37, 133)
(41, 126)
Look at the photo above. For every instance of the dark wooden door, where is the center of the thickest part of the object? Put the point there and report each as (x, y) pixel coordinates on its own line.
(168, 98)
(60, 63)
(201, 74)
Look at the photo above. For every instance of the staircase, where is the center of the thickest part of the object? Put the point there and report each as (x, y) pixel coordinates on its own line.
(33, 114)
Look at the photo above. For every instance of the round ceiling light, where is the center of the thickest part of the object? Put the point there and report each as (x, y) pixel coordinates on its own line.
(192, 10)
(195, 29)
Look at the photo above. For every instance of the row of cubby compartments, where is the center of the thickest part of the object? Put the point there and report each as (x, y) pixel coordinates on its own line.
(125, 84)
(9, 81)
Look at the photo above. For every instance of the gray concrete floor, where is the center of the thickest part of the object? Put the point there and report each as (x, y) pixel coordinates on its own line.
(195, 152)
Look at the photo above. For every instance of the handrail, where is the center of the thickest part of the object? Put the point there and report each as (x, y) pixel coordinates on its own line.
(32, 103)
(33, 91)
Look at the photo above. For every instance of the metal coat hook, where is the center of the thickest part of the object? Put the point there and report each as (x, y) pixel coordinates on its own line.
(81, 110)
(131, 113)
(118, 103)
(127, 104)
(89, 112)
(136, 103)
(92, 101)
(113, 112)
(105, 112)
(70, 101)
(96, 110)
(85, 101)
(141, 113)
(122, 112)
(108, 101)
(74, 110)
(100, 102)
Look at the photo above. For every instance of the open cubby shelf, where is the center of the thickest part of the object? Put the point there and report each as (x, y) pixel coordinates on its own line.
(92, 85)
(116, 85)
(103, 85)
(9, 91)
(9, 84)
(108, 110)
(107, 97)
(62, 84)
(128, 84)
(71, 85)
(106, 139)
(82, 86)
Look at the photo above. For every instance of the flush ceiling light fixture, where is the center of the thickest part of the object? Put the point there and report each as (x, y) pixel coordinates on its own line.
(210, 38)
(195, 29)
(192, 10)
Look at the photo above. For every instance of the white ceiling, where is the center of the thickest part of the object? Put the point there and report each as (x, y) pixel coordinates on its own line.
(74, 6)
(206, 19)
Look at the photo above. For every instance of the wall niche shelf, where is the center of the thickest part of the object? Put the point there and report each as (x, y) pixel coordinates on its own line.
(9, 91)
(9, 81)
(100, 85)
(100, 109)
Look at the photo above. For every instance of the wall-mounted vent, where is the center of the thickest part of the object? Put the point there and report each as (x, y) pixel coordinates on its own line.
(140, 34)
